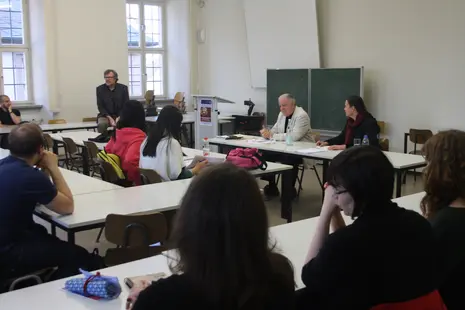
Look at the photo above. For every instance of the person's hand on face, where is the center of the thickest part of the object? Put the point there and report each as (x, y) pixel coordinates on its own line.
(135, 291)
(346, 202)
(330, 201)
(48, 160)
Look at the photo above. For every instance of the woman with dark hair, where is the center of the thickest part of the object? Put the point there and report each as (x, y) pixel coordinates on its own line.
(126, 140)
(162, 152)
(225, 260)
(360, 123)
(385, 256)
(444, 206)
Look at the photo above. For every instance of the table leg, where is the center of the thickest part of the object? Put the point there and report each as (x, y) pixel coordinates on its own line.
(286, 195)
(85, 161)
(406, 134)
(325, 169)
(71, 237)
(191, 133)
(53, 229)
(398, 183)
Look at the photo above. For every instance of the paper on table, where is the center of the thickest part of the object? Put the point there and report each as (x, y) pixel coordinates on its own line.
(261, 140)
(211, 161)
(312, 150)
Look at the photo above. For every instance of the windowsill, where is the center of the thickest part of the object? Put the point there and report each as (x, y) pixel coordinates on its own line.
(27, 106)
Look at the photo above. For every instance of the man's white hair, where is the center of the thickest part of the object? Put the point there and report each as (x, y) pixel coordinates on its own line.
(288, 97)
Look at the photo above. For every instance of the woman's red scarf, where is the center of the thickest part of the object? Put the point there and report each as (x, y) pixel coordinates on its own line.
(351, 124)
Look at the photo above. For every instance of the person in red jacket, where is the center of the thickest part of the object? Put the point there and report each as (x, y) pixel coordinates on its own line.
(126, 141)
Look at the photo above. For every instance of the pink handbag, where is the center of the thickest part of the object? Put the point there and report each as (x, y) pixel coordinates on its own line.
(247, 159)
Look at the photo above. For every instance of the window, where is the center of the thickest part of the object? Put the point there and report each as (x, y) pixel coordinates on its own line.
(145, 20)
(14, 80)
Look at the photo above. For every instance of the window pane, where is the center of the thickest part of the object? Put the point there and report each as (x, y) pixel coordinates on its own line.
(135, 74)
(154, 69)
(15, 75)
(153, 26)
(11, 22)
(133, 24)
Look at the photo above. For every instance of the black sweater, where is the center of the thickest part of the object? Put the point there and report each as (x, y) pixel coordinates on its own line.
(449, 230)
(369, 126)
(384, 256)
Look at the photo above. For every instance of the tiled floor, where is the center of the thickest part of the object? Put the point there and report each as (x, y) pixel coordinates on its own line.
(308, 205)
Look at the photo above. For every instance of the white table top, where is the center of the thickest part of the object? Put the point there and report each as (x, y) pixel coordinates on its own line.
(78, 137)
(398, 160)
(57, 127)
(82, 184)
(293, 240)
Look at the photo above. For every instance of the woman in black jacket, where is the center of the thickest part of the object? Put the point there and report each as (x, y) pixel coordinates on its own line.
(360, 123)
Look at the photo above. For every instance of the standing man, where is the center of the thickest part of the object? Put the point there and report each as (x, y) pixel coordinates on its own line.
(111, 97)
(292, 120)
(8, 117)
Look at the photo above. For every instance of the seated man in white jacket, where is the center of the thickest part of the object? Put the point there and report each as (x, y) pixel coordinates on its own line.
(292, 120)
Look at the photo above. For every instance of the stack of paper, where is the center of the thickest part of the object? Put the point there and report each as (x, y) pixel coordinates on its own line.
(311, 150)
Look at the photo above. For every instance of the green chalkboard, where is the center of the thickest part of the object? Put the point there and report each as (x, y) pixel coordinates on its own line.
(329, 88)
(293, 81)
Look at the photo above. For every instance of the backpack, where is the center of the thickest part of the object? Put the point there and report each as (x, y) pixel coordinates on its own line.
(247, 159)
(114, 161)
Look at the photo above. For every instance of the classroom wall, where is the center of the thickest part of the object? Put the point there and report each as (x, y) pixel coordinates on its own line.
(414, 55)
(71, 47)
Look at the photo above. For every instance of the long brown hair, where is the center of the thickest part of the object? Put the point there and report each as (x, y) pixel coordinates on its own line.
(221, 235)
(444, 176)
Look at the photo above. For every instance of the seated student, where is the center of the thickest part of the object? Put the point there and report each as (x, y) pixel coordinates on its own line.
(385, 256)
(225, 260)
(444, 207)
(25, 246)
(126, 141)
(162, 152)
(8, 117)
(292, 120)
(359, 123)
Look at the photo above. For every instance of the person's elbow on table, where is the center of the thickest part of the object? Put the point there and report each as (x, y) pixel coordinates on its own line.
(62, 204)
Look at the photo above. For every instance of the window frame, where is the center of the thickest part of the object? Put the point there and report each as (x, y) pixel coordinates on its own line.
(23, 48)
(142, 50)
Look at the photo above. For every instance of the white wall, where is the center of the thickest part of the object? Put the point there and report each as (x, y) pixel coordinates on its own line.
(178, 40)
(414, 55)
(223, 60)
(73, 43)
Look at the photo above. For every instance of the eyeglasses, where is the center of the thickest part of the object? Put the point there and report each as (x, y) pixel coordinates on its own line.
(109, 77)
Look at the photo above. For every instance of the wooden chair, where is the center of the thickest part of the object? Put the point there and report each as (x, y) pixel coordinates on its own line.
(134, 236)
(57, 121)
(382, 127)
(418, 137)
(48, 145)
(108, 174)
(38, 277)
(92, 151)
(384, 144)
(149, 176)
(73, 156)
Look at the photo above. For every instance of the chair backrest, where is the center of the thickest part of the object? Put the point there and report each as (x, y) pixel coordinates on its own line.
(107, 172)
(92, 149)
(48, 141)
(57, 121)
(70, 146)
(89, 119)
(384, 144)
(420, 136)
(149, 176)
(430, 301)
(148, 97)
(382, 127)
(136, 230)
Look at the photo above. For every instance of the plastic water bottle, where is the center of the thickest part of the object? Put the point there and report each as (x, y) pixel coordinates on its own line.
(365, 140)
(289, 137)
(206, 147)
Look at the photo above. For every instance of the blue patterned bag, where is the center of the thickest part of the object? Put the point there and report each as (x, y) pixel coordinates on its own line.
(94, 286)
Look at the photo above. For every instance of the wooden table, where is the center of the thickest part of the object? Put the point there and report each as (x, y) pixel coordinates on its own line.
(56, 127)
